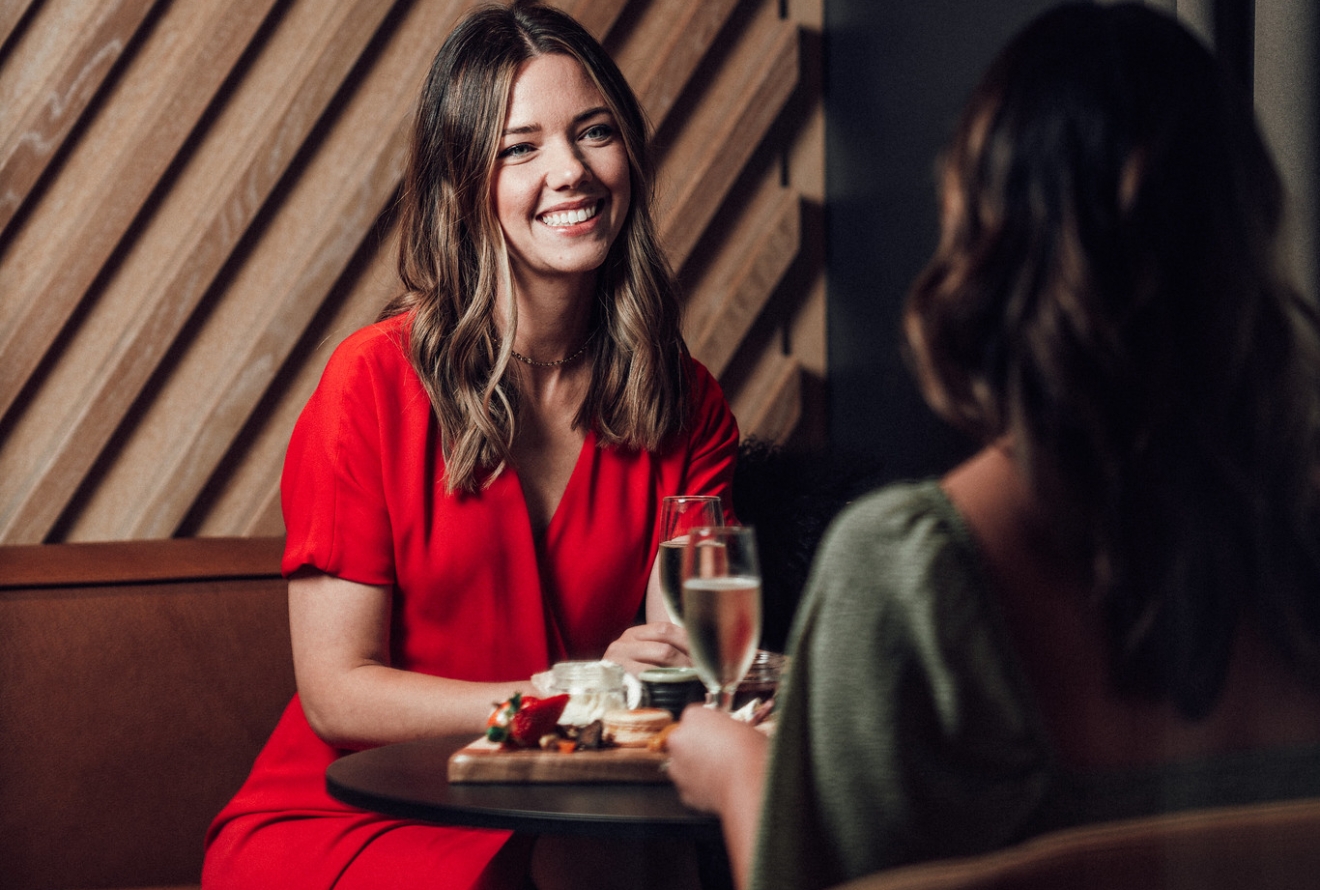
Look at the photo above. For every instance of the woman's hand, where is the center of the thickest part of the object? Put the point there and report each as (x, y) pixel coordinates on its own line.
(714, 759)
(718, 765)
(656, 644)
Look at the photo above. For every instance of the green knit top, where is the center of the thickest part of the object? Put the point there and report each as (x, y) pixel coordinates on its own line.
(907, 730)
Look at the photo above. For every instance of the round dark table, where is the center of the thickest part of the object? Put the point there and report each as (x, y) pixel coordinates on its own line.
(410, 780)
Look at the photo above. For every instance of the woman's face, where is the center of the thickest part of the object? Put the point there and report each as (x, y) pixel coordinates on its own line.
(561, 181)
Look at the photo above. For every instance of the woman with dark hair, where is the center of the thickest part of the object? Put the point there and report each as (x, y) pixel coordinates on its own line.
(472, 492)
(1112, 608)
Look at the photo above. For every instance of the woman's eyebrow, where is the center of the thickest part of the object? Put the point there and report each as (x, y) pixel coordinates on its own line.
(536, 128)
(591, 112)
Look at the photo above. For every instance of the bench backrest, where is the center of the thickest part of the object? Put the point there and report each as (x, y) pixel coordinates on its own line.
(138, 681)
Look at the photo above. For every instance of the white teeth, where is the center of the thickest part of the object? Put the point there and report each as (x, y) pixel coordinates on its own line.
(569, 217)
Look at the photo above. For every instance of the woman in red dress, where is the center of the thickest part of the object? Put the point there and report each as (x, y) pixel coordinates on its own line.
(471, 494)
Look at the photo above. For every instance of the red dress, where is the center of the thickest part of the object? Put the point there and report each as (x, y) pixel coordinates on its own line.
(364, 500)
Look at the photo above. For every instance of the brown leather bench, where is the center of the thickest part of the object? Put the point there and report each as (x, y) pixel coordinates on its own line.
(1269, 846)
(138, 681)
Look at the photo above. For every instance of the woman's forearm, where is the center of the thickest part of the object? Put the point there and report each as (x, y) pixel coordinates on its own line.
(373, 705)
(739, 818)
(718, 765)
(352, 696)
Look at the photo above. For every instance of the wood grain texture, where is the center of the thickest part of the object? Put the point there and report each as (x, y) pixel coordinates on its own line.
(659, 51)
(760, 249)
(52, 107)
(196, 207)
(772, 404)
(723, 128)
(50, 267)
(12, 14)
(199, 227)
(597, 16)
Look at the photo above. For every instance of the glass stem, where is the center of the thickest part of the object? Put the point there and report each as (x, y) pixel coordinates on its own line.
(726, 699)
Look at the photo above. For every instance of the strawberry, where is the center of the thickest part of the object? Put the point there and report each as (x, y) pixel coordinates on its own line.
(536, 717)
(497, 724)
(522, 720)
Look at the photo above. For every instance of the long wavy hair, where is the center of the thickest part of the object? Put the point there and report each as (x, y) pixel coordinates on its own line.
(1107, 293)
(452, 257)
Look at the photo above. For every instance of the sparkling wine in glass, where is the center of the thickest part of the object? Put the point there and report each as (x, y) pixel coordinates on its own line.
(721, 607)
(679, 513)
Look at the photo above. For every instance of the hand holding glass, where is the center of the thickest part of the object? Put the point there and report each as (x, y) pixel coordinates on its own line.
(722, 607)
(678, 514)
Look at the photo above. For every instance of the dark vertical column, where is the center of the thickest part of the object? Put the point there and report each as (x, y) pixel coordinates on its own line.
(1235, 37)
(897, 74)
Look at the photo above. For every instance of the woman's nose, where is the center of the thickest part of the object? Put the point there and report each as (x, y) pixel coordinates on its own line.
(566, 168)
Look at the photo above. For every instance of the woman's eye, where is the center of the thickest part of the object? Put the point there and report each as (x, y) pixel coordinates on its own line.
(598, 132)
(514, 151)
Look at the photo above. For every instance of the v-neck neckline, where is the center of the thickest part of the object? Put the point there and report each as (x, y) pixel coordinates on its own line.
(539, 542)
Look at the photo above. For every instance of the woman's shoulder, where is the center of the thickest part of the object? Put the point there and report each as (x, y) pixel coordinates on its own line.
(693, 366)
(701, 383)
(710, 416)
(385, 339)
(370, 350)
(913, 513)
(368, 367)
(901, 598)
(902, 550)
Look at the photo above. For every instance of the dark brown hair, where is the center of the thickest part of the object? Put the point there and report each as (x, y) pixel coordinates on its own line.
(452, 258)
(1107, 293)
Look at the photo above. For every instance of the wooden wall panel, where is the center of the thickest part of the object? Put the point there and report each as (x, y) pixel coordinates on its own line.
(51, 264)
(660, 51)
(722, 128)
(11, 14)
(195, 208)
(66, 72)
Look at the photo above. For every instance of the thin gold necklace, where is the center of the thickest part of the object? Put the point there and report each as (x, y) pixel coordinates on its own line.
(563, 361)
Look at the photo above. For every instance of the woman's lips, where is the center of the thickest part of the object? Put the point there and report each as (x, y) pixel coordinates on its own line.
(571, 217)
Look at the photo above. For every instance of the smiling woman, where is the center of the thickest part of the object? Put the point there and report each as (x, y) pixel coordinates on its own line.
(471, 494)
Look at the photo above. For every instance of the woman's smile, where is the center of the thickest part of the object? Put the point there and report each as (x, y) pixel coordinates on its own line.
(560, 219)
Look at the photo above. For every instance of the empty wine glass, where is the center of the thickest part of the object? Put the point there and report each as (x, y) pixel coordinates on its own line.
(678, 513)
(721, 607)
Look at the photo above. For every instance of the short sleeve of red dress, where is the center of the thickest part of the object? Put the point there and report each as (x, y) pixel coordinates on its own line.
(332, 490)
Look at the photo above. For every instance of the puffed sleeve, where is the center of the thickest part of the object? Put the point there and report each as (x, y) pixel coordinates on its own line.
(712, 440)
(332, 490)
(907, 731)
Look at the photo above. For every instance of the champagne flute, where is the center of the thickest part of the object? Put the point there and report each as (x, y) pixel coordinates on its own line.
(678, 513)
(722, 607)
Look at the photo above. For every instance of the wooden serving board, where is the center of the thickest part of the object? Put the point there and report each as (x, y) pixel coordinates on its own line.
(485, 761)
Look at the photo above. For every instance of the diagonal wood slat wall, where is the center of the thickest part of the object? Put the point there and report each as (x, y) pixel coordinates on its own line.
(195, 207)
